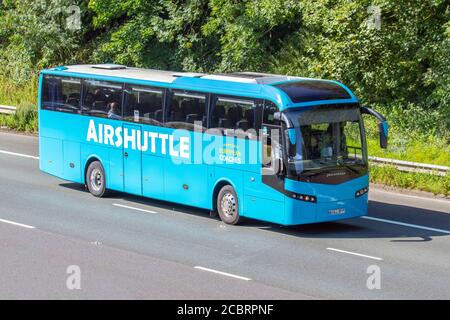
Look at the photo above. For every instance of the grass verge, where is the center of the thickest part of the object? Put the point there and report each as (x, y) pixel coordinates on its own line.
(429, 150)
(24, 119)
(24, 98)
(15, 95)
(390, 176)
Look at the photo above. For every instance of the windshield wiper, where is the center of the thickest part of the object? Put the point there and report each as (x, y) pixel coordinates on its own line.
(349, 167)
(307, 174)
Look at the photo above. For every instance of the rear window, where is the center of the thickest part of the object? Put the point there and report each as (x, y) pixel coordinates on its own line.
(313, 90)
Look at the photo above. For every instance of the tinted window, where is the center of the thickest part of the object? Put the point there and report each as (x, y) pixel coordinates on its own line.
(143, 104)
(269, 110)
(230, 114)
(186, 109)
(313, 90)
(102, 99)
(61, 94)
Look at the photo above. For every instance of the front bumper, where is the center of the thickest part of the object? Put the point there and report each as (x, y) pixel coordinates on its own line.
(302, 213)
(334, 202)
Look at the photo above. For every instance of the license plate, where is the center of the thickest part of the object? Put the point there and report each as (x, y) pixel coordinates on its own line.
(336, 211)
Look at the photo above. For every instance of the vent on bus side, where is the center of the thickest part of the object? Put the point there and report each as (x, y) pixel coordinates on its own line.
(109, 66)
(188, 75)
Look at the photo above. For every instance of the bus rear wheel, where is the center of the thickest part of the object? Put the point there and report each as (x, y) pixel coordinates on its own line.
(95, 179)
(227, 205)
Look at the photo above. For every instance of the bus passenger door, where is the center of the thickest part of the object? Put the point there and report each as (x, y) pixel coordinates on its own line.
(132, 159)
(263, 189)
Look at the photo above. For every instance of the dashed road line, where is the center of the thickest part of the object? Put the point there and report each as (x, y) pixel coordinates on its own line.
(19, 154)
(133, 208)
(355, 254)
(223, 273)
(407, 224)
(17, 224)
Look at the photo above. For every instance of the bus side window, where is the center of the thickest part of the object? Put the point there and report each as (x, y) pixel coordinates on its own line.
(186, 110)
(234, 116)
(61, 94)
(102, 99)
(271, 129)
(143, 104)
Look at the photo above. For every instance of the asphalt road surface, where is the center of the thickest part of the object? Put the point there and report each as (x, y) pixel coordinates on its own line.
(127, 247)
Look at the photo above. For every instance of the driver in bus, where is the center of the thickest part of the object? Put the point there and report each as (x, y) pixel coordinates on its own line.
(329, 141)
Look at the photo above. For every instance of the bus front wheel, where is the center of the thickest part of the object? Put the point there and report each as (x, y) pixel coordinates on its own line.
(227, 205)
(95, 179)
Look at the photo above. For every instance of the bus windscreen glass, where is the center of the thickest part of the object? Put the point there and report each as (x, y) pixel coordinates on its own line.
(326, 138)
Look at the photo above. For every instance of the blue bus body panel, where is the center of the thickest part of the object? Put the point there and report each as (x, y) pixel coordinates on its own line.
(71, 161)
(65, 152)
(262, 201)
(354, 208)
(186, 184)
(153, 169)
(132, 163)
(328, 192)
(298, 212)
(329, 199)
(116, 169)
(51, 156)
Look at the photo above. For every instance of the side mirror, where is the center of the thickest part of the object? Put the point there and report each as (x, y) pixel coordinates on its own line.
(383, 127)
(383, 130)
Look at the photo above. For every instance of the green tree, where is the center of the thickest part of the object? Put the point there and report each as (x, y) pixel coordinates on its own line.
(403, 64)
(400, 67)
(35, 35)
(155, 34)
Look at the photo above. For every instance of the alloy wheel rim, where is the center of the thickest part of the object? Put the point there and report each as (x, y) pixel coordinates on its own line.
(228, 204)
(96, 179)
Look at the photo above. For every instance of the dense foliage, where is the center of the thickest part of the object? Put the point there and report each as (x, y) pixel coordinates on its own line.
(399, 64)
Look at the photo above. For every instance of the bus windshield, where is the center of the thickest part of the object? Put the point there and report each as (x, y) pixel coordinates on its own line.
(325, 138)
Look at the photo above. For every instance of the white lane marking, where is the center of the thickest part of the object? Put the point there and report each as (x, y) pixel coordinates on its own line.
(407, 225)
(19, 154)
(17, 224)
(409, 196)
(223, 273)
(133, 208)
(355, 254)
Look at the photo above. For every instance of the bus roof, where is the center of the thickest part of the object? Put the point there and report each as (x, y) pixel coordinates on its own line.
(286, 91)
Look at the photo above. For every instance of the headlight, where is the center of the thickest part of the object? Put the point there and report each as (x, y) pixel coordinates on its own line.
(361, 192)
(304, 197)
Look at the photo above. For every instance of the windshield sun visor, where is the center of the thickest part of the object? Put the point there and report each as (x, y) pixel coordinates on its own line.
(313, 90)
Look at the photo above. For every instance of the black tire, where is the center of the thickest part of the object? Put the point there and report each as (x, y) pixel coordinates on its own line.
(96, 179)
(228, 205)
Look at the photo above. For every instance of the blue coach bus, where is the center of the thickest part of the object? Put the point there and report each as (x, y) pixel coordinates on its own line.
(287, 150)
